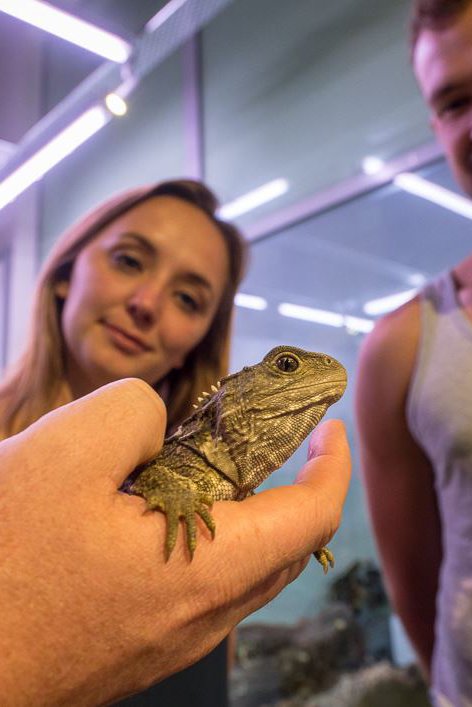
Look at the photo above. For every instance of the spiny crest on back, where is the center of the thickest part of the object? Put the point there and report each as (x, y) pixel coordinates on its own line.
(201, 410)
(204, 397)
(208, 409)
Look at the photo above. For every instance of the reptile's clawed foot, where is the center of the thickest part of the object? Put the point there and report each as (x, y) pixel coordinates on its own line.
(325, 557)
(182, 503)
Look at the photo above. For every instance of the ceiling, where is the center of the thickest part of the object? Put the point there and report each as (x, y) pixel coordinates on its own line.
(370, 246)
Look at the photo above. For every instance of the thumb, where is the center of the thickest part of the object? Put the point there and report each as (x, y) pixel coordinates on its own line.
(281, 526)
(327, 472)
(328, 447)
(113, 429)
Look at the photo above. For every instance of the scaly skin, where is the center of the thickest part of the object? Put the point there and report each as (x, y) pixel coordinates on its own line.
(247, 428)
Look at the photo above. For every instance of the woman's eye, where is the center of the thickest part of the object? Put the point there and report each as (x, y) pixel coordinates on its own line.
(127, 261)
(189, 302)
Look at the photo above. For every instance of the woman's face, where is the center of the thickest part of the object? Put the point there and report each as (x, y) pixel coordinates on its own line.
(142, 294)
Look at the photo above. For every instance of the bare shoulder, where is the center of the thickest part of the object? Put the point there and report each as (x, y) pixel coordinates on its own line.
(393, 342)
(386, 364)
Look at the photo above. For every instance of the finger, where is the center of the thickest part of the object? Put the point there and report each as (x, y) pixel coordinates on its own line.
(310, 511)
(112, 430)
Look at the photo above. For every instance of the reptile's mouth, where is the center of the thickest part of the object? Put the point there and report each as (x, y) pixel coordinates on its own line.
(337, 382)
(335, 391)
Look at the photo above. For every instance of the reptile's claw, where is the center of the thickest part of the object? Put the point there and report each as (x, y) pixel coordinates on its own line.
(206, 516)
(325, 557)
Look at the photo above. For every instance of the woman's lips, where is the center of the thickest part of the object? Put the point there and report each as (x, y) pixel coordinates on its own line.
(124, 341)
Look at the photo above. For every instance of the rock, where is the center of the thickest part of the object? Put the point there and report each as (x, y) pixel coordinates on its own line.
(380, 685)
(339, 658)
(361, 588)
(258, 640)
(321, 648)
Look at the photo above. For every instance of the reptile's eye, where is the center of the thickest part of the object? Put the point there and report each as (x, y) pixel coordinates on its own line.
(287, 363)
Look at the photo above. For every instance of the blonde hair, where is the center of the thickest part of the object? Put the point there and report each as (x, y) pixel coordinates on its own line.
(32, 386)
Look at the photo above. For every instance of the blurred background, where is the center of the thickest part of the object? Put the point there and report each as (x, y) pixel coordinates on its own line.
(305, 119)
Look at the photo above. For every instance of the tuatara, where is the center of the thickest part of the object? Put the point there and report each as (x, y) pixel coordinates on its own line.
(249, 425)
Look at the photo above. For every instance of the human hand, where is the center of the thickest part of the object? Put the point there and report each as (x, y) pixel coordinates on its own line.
(91, 612)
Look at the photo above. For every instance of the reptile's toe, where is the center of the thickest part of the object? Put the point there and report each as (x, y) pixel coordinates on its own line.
(171, 531)
(201, 506)
(157, 503)
(204, 513)
(191, 533)
(325, 557)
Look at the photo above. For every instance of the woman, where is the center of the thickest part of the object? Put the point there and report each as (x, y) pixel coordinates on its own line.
(142, 286)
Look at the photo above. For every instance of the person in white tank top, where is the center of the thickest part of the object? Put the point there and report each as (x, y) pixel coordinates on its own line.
(414, 400)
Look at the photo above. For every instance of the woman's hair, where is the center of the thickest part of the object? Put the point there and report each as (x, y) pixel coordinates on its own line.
(32, 386)
(433, 15)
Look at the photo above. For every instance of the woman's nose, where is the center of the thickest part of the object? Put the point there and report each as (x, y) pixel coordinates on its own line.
(145, 305)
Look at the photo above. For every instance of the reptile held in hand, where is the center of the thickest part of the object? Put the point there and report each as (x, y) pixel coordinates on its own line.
(249, 425)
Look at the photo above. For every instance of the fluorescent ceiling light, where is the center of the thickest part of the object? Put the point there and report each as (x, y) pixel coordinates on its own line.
(323, 316)
(53, 152)
(253, 199)
(308, 314)
(417, 279)
(357, 324)
(382, 305)
(372, 164)
(250, 301)
(116, 104)
(74, 30)
(164, 14)
(419, 186)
